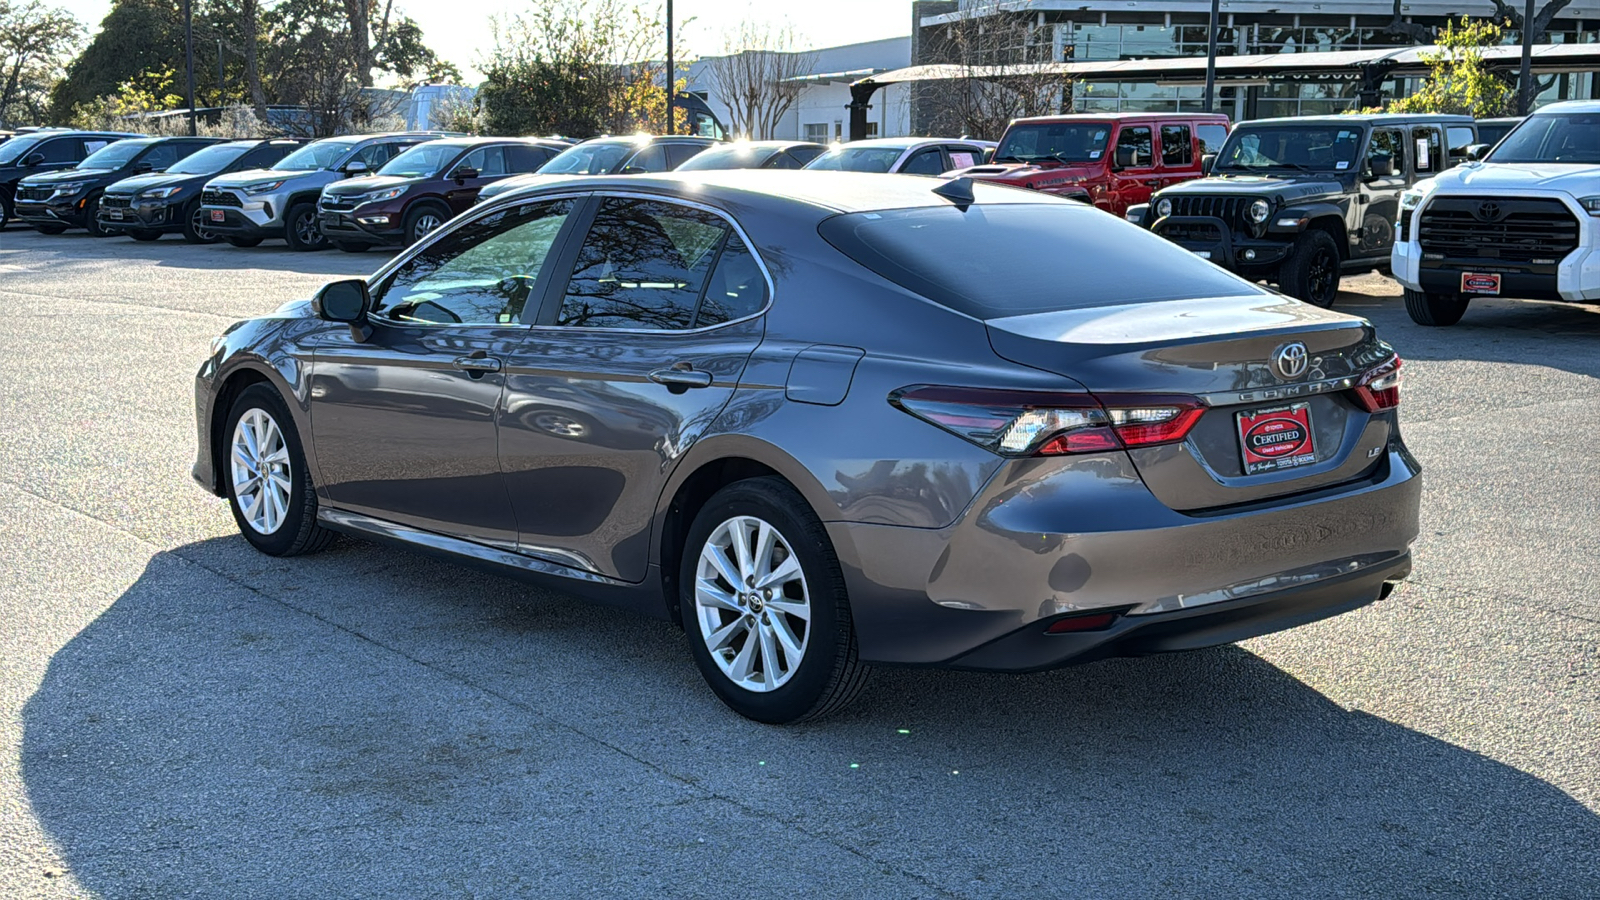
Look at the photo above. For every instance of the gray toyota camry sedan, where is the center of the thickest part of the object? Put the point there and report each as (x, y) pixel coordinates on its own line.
(831, 420)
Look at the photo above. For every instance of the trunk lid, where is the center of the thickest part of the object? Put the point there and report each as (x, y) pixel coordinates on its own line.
(1221, 350)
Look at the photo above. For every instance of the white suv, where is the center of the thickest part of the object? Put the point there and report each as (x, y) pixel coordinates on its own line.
(1524, 222)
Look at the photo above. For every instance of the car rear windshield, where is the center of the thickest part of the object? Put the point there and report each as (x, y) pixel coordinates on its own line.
(1552, 138)
(1000, 260)
(1060, 141)
(318, 155)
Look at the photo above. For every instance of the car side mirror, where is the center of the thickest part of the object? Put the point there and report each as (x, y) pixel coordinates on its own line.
(32, 160)
(1381, 166)
(355, 167)
(1206, 162)
(348, 302)
(463, 173)
(1123, 157)
(1478, 151)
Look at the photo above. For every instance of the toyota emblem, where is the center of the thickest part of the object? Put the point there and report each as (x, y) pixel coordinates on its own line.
(1289, 361)
(1488, 211)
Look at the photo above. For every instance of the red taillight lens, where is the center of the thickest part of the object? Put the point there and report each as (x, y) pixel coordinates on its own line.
(1379, 389)
(1091, 622)
(1040, 423)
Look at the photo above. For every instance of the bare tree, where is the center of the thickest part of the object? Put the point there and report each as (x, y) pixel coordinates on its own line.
(1002, 66)
(1512, 16)
(756, 75)
(1411, 31)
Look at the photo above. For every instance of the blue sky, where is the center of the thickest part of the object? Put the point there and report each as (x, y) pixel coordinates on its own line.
(458, 29)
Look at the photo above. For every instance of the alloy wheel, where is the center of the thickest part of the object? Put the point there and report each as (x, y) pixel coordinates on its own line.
(262, 480)
(305, 228)
(426, 223)
(1320, 276)
(752, 604)
(197, 220)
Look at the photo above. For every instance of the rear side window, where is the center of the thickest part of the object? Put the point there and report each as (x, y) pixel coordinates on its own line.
(265, 155)
(1177, 148)
(927, 162)
(1036, 257)
(643, 265)
(526, 158)
(650, 159)
(62, 151)
(964, 157)
(1211, 137)
(678, 154)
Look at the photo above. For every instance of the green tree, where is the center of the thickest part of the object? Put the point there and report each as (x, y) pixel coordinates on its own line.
(1458, 81)
(576, 67)
(135, 44)
(36, 43)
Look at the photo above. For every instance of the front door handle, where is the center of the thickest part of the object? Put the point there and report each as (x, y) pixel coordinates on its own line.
(1154, 182)
(681, 377)
(477, 365)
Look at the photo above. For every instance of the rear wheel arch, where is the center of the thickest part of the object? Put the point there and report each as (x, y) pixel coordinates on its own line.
(686, 496)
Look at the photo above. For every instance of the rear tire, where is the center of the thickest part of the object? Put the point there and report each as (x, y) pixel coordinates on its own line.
(1311, 273)
(263, 467)
(244, 241)
(300, 228)
(143, 234)
(777, 651)
(1435, 309)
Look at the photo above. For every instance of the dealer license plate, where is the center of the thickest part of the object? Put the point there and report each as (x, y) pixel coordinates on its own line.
(113, 213)
(1480, 283)
(218, 215)
(1203, 254)
(1276, 438)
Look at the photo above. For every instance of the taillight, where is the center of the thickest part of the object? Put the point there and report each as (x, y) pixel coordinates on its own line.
(1040, 423)
(1379, 389)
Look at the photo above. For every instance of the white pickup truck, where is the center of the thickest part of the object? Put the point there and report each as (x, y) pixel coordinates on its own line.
(1524, 222)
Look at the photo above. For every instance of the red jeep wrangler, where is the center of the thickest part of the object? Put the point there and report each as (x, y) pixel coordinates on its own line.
(1113, 160)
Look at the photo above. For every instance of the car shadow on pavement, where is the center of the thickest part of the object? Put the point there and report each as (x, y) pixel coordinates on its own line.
(367, 722)
(171, 251)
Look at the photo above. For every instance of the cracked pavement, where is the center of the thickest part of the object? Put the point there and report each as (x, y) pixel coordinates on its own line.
(183, 717)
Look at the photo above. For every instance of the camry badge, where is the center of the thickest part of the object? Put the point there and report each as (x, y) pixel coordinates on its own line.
(1289, 360)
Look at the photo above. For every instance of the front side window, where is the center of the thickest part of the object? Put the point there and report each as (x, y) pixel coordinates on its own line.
(650, 159)
(1135, 144)
(208, 161)
(1388, 144)
(1177, 148)
(17, 149)
(1460, 138)
(162, 155)
(1301, 148)
(644, 265)
(490, 162)
(482, 273)
(420, 161)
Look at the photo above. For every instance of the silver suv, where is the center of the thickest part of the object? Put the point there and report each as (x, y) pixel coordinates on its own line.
(245, 208)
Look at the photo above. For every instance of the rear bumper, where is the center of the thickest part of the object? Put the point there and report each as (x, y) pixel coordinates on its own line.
(1047, 541)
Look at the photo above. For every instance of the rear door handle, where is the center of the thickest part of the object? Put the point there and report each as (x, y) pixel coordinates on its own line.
(477, 364)
(681, 377)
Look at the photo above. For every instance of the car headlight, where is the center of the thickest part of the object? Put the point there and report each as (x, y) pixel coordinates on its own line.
(161, 193)
(69, 188)
(261, 187)
(380, 196)
(1410, 200)
(1591, 205)
(1259, 211)
(1163, 208)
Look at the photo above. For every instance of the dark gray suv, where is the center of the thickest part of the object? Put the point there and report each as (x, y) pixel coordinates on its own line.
(826, 420)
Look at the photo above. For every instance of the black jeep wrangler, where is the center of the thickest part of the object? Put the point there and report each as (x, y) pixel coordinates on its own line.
(1299, 201)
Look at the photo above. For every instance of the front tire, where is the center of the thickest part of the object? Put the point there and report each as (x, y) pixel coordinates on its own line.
(195, 230)
(143, 234)
(245, 242)
(300, 228)
(424, 220)
(50, 229)
(765, 606)
(269, 486)
(1435, 309)
(1311, 273)
(92, 224)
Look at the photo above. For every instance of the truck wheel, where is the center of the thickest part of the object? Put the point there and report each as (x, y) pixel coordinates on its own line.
(300, 228)
(1311, 273)
(1435, 309)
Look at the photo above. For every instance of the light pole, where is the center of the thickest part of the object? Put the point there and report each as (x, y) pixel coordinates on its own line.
(1525, 84)
(1211, 56)
(672, 83)
(188, 53)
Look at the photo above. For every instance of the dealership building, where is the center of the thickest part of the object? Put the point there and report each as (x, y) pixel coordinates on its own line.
(1115, 32)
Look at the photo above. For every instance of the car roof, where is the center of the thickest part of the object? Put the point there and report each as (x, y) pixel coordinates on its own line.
(1364, 119)
(1121, 117)
(907, 143)
(773, 190)
(1568, 106)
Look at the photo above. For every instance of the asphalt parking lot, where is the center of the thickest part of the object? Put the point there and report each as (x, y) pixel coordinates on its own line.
(183, 717)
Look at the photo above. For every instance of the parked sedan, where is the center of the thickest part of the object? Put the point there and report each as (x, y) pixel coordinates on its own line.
(145, 207)
(638, 155)
(906, 156)
(420, 189)
(828, 420)
(755, 155)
